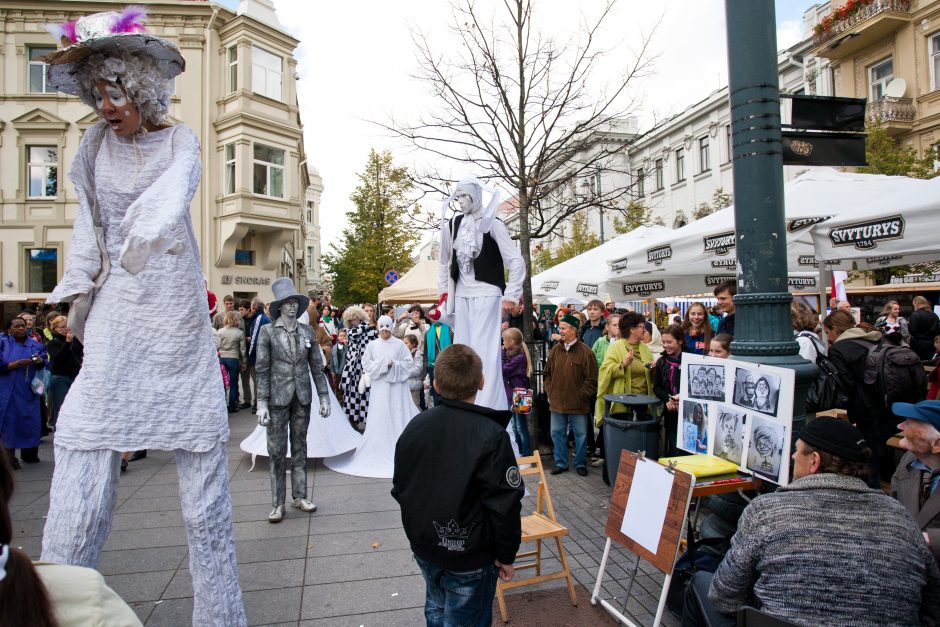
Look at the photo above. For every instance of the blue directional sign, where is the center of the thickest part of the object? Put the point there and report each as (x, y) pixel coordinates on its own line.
(391, 276)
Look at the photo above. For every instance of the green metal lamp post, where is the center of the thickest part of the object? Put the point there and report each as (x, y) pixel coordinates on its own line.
(763, 329)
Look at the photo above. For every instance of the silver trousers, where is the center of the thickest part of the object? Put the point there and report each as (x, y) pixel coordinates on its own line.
(81, 504)
(295, 418)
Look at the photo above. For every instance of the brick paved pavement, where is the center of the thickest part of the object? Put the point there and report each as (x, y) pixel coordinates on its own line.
(346, 564)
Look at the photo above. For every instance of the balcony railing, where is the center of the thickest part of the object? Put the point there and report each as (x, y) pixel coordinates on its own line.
(871, 10)
(888, 109)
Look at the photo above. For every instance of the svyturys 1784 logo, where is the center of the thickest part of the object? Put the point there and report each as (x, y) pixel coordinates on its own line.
(586, 288)
(719, 244)
(866, 235)
(641, 289)
(659, 254)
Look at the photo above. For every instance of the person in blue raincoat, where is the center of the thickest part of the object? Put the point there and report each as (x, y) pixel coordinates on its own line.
(21, 358)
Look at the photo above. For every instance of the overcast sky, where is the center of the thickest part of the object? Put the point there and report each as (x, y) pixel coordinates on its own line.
(356, 59)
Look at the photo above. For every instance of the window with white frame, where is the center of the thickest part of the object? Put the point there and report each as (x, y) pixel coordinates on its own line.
(878, 78)
(310, 257)
(309, 212)
(265, 73)
(680, 165)
(703, 154)
(935, 61)
(640, 183)
(659, 174)
(37, 70)
(43, 171)
(268, 171)
(232, 68)
(230, 168)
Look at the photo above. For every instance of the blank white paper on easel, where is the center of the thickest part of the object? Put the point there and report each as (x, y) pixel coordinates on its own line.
(647, 503)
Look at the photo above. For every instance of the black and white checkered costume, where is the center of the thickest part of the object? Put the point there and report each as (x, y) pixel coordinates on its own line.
(356, 404)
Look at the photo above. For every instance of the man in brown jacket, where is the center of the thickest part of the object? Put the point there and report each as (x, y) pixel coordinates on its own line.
(571, 384)
(916, 482)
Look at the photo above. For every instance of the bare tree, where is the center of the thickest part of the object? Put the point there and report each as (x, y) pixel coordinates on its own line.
(523, 111)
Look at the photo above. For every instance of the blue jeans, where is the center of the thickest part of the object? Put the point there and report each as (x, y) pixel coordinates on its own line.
(58, 387)
(520, 428)
(578, 423)
(458, 598)
(232, 365)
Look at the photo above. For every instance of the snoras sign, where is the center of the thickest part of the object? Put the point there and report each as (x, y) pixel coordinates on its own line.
(643, 289)
(659, 254)
(865, 235)
(719, 244)
(586, 288)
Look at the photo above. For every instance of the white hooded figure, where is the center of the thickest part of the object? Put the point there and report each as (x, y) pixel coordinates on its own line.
(386, 365)
(476, 252)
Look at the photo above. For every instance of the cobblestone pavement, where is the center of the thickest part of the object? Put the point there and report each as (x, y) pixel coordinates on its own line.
(347, 564)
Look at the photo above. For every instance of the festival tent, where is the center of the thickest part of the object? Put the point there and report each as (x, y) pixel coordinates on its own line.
(418, 285)
(588, 276)
(702, 254)
(900, 231)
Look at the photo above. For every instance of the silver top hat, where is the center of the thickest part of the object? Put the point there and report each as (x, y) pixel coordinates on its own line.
(284, 290)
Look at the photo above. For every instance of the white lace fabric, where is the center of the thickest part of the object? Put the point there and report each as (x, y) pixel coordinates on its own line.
(150, 377)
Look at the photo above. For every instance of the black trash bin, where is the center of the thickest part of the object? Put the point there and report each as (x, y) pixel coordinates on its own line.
(632, 435)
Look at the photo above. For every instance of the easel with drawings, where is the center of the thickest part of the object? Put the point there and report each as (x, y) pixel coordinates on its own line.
(647, 514)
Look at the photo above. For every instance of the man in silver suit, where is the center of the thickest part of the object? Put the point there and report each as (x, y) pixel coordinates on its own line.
(288, 354)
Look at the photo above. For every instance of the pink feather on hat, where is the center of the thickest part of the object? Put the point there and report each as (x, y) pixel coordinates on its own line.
(64, 31)
(131, 20)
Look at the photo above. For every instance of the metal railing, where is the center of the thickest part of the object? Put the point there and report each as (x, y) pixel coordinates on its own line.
(888, 109)
(842, 26)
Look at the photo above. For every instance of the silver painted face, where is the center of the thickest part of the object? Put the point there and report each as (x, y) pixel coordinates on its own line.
(465, 201)
(289, 308)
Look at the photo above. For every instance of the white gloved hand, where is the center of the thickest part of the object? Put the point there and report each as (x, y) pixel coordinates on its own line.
(264, 418)
(365, 382)
(324, 406)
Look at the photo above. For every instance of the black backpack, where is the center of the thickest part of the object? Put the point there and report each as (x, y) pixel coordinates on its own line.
(893, 374)
(827, 391)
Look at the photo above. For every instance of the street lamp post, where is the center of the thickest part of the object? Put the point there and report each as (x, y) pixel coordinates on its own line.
(763, 329)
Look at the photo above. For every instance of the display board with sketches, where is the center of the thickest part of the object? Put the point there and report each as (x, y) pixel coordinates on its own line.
(738, 411)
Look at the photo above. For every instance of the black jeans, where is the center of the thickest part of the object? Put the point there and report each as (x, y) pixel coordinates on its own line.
(698, 610)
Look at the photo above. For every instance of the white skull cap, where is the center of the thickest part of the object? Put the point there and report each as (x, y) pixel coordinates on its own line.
(384, 323)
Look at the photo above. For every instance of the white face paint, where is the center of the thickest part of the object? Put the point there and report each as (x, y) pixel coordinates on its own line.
(465, 201)
(116, 108)
(113, 92)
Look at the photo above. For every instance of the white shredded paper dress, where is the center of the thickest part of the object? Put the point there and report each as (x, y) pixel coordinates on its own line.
(390, 410)
(150, 377)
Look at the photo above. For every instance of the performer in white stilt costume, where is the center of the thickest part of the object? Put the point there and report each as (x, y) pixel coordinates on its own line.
(476, 250)
(386, 367)
(132, 249)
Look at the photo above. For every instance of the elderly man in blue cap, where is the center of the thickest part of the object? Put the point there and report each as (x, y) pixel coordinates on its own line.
(916, 481)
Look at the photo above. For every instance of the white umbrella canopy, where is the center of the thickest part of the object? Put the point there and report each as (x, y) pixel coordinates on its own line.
(418, 285)
(589, 275)
(902, 230)
(706, 247)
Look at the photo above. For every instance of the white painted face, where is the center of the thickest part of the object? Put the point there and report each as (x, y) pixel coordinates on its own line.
(289, 309)
(465, 201)
(116, 108)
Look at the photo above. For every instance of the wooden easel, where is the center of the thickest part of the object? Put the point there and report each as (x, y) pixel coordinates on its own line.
(665, 556)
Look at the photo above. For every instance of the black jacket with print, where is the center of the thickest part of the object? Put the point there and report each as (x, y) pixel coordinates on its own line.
(458, 485)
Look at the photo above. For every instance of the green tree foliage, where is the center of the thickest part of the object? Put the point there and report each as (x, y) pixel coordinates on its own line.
(378, 238)
(887, 156)
(720, 200)
(636, 214)
(581, 240)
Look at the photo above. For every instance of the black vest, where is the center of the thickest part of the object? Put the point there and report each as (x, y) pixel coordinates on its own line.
(487, 266)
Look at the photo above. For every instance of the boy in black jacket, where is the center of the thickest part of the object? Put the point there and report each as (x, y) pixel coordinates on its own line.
(460, 493)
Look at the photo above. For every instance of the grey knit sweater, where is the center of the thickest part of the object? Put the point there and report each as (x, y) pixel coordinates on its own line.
(828, 550)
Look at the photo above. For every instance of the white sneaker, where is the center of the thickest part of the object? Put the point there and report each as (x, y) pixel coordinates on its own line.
(303, 505)
(597, 463)
(276, 515)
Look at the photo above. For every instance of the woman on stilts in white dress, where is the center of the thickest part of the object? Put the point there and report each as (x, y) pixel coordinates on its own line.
(386, 364)
(140, 387)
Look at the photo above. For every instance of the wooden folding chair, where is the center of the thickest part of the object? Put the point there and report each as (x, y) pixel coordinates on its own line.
(537, 527)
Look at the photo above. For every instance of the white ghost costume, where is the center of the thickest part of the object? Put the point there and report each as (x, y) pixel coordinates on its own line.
(476, 304)
(326, 437)
(387, 363)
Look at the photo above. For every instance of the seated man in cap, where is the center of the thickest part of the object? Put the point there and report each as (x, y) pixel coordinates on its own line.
(826, 549)
(917, 477)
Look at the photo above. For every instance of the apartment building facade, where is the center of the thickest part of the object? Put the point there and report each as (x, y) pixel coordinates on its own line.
(238, 94)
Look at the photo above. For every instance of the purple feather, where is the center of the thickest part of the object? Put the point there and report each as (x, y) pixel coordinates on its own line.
(65, 30)
(131, 20)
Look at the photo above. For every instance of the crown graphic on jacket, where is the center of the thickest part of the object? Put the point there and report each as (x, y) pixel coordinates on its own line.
(452, 530)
